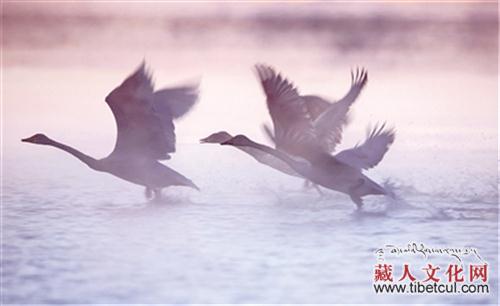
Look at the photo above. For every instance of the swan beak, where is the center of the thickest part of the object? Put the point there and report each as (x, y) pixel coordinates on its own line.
(226, 143)
(24, 140)
(203, 140)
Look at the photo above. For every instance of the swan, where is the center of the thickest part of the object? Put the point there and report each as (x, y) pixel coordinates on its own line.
(298, 134)
(145, 133)
(342, 172)
(327, 117)
(261, 156)
(315, 107)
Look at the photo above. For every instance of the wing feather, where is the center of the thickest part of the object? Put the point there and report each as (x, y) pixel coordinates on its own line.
(269, 132)
(330, 123)
(175, 102)
(293, 129)
(371, 151)
(316, 105)
(144, 118)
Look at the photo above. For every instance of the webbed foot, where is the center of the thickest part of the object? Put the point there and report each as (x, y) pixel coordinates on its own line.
(357, 200)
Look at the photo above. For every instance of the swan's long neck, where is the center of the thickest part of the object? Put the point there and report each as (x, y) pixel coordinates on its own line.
(88, 160)
(250, 151)
(295, 165)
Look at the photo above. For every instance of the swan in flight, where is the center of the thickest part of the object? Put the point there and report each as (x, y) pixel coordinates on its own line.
(327, 117)
(259, 155)
(145, 133)
(314, 107)
(298, 134)
(342, 172)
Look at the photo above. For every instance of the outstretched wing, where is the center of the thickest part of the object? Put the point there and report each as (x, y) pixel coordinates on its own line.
(358, 82)
(170, 104)
(293, 128)
(175, 102)
(141, 132)
(330, 123)
(371, 152)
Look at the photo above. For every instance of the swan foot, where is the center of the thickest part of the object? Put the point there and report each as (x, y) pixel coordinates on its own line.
(357, 200)
(148, 193)
(321, 193)
(355, 197)
(307, 184)
(157, 192)
(153, 193)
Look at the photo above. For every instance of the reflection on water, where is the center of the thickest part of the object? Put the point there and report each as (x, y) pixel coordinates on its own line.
(251, 235)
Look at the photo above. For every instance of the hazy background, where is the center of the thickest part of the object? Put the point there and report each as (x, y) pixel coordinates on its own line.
(252, 235)
(431, 68)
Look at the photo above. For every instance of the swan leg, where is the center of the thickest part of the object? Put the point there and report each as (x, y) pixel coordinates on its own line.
(355, 197)
(357, 200)
(148, 193)
(157, 192)
(318, 189)
(307, 184)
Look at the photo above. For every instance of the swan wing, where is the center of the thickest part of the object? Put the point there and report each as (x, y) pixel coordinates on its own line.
(269, 132)
(316, 105)
(330, 123)
(292, 122)
(175, 102)
(371, 151)
(170, 104)
(359, 78)
(141, 131)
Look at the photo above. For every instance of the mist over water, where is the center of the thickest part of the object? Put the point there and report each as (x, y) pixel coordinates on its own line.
(71, 235)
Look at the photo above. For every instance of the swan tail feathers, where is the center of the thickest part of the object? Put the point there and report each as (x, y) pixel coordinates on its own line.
(370, 187)
(366, 187)
(189, 183)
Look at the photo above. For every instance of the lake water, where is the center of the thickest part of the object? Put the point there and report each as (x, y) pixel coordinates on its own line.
(252, 235)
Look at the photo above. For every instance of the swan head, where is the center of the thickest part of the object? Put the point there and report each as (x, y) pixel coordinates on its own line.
(38, 139)
(239, 141)
(218, 137)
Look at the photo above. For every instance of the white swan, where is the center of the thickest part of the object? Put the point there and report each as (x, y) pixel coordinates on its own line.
(144, 120)
(341, 172)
